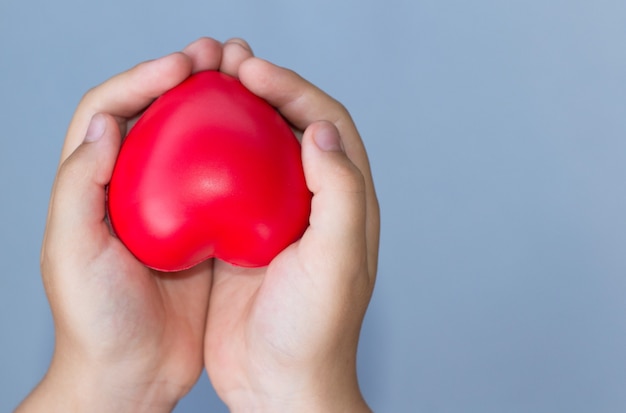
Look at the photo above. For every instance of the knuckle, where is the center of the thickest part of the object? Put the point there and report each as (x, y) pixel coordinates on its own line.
(341, 114)
(341, 109)
(71, 170)
(350, 177)
(89, 96)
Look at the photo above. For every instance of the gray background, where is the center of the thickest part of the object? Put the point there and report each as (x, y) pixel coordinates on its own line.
(497, 137)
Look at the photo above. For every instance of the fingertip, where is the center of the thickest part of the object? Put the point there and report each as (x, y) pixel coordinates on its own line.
(326, 137)
(97, 127)
(253, 71)
(205, 54)
(203, 42)
(236, 51)
(326, 165)
(239, 42)
(103, 132)
(79, 189)
(338, 204)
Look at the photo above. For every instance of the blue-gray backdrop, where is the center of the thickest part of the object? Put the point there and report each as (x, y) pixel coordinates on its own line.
(497, 135)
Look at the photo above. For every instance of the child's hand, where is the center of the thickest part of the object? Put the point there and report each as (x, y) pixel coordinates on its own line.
(127, 338)
(281, 338)
(284, 338)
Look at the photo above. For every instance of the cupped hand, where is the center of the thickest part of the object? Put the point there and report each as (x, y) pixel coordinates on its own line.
(279, 338)
(284, 337)
(127, 338)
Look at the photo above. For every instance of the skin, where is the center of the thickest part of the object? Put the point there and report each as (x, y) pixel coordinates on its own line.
(278, 338)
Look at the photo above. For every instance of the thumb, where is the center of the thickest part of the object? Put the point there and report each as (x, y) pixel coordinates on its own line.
(337, 221)
(77, 206)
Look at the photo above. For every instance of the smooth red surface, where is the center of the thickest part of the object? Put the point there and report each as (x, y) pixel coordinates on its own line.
(209, 170)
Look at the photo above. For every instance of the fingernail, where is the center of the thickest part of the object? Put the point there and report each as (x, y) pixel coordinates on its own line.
(240, 42)
(327, 138)
(96, 128)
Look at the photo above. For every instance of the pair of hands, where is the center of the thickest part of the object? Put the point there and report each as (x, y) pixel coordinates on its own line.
(278, 338)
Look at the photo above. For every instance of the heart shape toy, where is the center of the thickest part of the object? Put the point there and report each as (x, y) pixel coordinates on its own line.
(209, 170)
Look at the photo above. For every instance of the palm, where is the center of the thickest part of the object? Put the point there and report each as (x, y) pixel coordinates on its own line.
(235, 339)
(261, 318)
(128, 314)
(171, 310)
(233, 293)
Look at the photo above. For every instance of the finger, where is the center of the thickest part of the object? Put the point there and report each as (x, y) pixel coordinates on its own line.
(302, 104)
(205, 54)
(77, 207)
(236, 51)
(337, 223)
(126, 94)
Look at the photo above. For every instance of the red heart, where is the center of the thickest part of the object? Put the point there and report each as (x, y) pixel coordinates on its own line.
(209, 170)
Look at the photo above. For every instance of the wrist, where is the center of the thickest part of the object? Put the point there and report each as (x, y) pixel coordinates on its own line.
(299, 395)
(70, 387)
(301, 404)
(316, 405)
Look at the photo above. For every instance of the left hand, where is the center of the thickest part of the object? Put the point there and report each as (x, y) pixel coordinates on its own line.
(127, 338)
